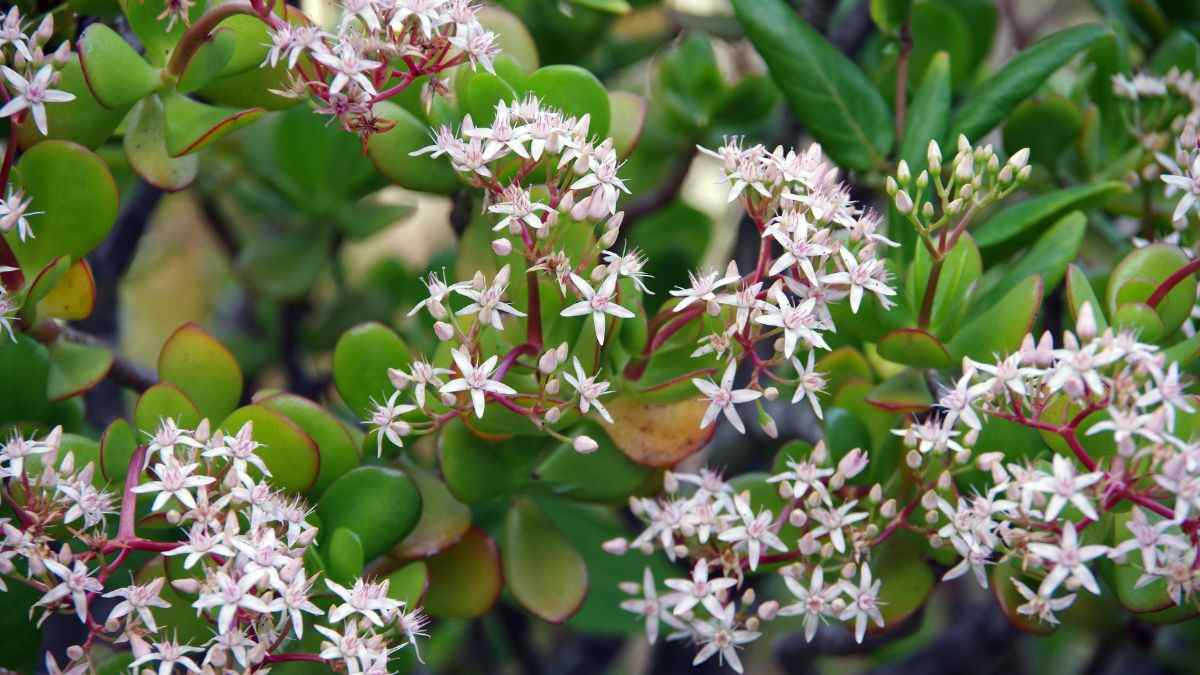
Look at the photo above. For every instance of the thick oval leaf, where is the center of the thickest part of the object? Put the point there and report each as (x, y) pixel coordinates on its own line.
(544, 571)
(360, 363)
(843, 366)
(1014, 220)
(690, 82)
(576, 92)
(76, 199)
(146, 148)
(444, 519)
(344, 553)
(73, 297)
(465, 579)
(1000, 328)
(658, 434)
(391, 151)
(996, 97)
(605, 475)
(409, 583)
(252, 88)
(476, 468)
(380, 505)
(337, 448)
(828, 93)
(116, 74)
(82, 120)
(164, 401)
(907, 580)
(1047, 258)
(512, 37)
(1138, 274)
(251, 42)
(191, 125)
(76, 368)
(290, 454)
(914, 347)
(144, 19)
(202, 368)
(117, 445)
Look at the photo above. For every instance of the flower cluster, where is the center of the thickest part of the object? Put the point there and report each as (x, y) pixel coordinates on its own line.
(379, 48)
(29, 75)
(1113, 407)
(1162, 115)
(820, 530)
(540, 226)
(240, 557)
(818, 249)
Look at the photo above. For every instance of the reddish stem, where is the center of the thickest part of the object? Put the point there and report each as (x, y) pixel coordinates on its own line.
(533, 334)
(511, 357)
(1172, 281)
(128, 497)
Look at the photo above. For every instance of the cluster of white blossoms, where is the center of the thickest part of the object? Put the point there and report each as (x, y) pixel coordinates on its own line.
(823, 537)
(241, 547)
(1163, 114)
(818, 249)
(29, 75)
(379, 48)
(541, 224)
(1129, 467)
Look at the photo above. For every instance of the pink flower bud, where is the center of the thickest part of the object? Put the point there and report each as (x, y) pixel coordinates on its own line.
(552, 386)
(186, 585)
(584, 445)
(398, 378)
(853, 463)
(548, 362)
(1085, 323)
(443, 330)
(797, 518)
(501, 247)
(768, 610)
(616, 546)
(553, 415)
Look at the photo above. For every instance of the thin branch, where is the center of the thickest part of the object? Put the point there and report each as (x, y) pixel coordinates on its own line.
(124, 373)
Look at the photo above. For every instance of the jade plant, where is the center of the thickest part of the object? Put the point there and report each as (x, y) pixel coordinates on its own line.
(752, 335)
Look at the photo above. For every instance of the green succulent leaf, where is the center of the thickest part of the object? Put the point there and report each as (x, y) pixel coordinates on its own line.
(827, 92)
(202, 368)
(1134, 280)
(76, 368)
(914, 347)
(576, 92)
(146, 148)
(444, 520)
(360, 363)
(605, 475)
(465, 579)
(83, 120)
(1000, 328)
(544, 571)
(1047, 258)
(117, 445)
(344, 553)
(1015, 220)
(1079, 293)
(335, 444)
(117, 75)
(997, 96)
(192, 125)
(391, 151)
(289, 454)
(379, 504)
(163, 401)
(76, 197)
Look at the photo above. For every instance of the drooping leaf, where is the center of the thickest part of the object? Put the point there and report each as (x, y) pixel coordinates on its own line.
(543, 569)
(996, 97)
(202, 368)
(828, 93)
